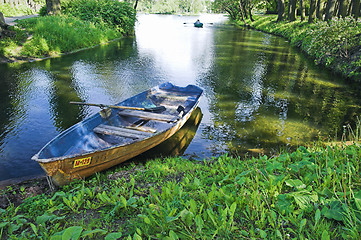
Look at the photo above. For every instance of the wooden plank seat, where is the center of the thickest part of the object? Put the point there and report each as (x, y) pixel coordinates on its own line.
(120, 131)
(148, 115)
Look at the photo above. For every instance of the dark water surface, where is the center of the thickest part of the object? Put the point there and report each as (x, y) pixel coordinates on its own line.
(260, 93)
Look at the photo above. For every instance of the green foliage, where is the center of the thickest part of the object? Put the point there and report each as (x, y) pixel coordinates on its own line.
(19, 10)
(9, 45)
(59, 34)
(335, 44)
(113, 14)
(85, 23)
(173, 6)
(310, 193)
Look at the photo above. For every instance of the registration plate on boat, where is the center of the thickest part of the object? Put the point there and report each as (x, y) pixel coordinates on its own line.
(82, 162)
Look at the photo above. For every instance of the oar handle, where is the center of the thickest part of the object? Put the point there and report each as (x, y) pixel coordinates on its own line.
(153, 109)
(107, 106)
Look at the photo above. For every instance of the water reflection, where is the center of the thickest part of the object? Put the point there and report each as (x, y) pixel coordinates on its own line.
(178, 143)
(260, 93)
(270, 95)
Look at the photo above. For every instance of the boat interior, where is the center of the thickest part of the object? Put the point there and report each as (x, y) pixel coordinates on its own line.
(115, 127)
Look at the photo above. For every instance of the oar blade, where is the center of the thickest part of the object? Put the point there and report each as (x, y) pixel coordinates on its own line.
(155, 109)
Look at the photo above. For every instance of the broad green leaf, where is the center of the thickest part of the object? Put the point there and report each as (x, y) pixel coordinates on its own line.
(302, 224)
(273, 165)
(197, 182)
(170, 219)
(284, 203)
(334, 211)
(124, 201)
(147, 220)
(173, 235)
(72, 233)
(3, 224)
(232, 210)
(358, 200)
(211, 216)
(33, 227)
(13, 227)
(303, 201)
(296, 183)
(193, 206)
(279, 234)
(187, 217)
(113, 236)
(91, 232)
(325, 235)
(137, 237)
(199, 222)
(263, 234)
(56, 237)
(317, 216)
(45, 217)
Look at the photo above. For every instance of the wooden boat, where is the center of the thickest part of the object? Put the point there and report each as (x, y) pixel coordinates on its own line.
(118, 133)
(198, 24)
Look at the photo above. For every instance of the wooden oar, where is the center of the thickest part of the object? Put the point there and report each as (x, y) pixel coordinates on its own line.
(153, 109)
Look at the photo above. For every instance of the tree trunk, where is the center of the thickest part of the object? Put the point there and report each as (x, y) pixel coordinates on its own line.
(293, 10)
(319, 9)
(250, 14)
(3, 25)
(289, 10)
(136, 5)
(281, 10)
(330, 8)
(312, 11)
(53, 7)
(342, 11)
(244, 8)
(302, 10)
(349, 8)
(356, 9)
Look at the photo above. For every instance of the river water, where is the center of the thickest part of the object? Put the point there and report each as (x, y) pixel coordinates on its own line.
(260, 93)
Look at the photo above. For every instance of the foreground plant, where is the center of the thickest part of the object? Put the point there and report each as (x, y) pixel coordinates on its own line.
(310, 193)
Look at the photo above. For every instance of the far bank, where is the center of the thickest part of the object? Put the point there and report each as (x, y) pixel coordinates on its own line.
(334, 44)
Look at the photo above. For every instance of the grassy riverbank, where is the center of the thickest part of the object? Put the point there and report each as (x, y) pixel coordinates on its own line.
(83, 24)
(335, 44)
(312, 193)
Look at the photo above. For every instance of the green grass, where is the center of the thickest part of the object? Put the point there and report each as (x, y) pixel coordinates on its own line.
(60, 34)
(312, 193)
(335, 44)
(19, 10)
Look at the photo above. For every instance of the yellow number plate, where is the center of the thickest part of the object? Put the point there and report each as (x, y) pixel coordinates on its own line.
(82, 162)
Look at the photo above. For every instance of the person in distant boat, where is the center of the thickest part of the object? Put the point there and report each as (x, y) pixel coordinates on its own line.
(197, 22)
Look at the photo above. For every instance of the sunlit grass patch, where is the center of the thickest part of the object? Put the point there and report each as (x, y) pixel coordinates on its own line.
(61, 34)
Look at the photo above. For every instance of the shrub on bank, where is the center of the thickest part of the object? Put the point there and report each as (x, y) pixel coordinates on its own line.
(61, 34)
(109, 13)
(335, 44)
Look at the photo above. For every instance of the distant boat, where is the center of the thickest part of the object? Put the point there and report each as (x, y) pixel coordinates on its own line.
(198, 24)
(118, 132)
